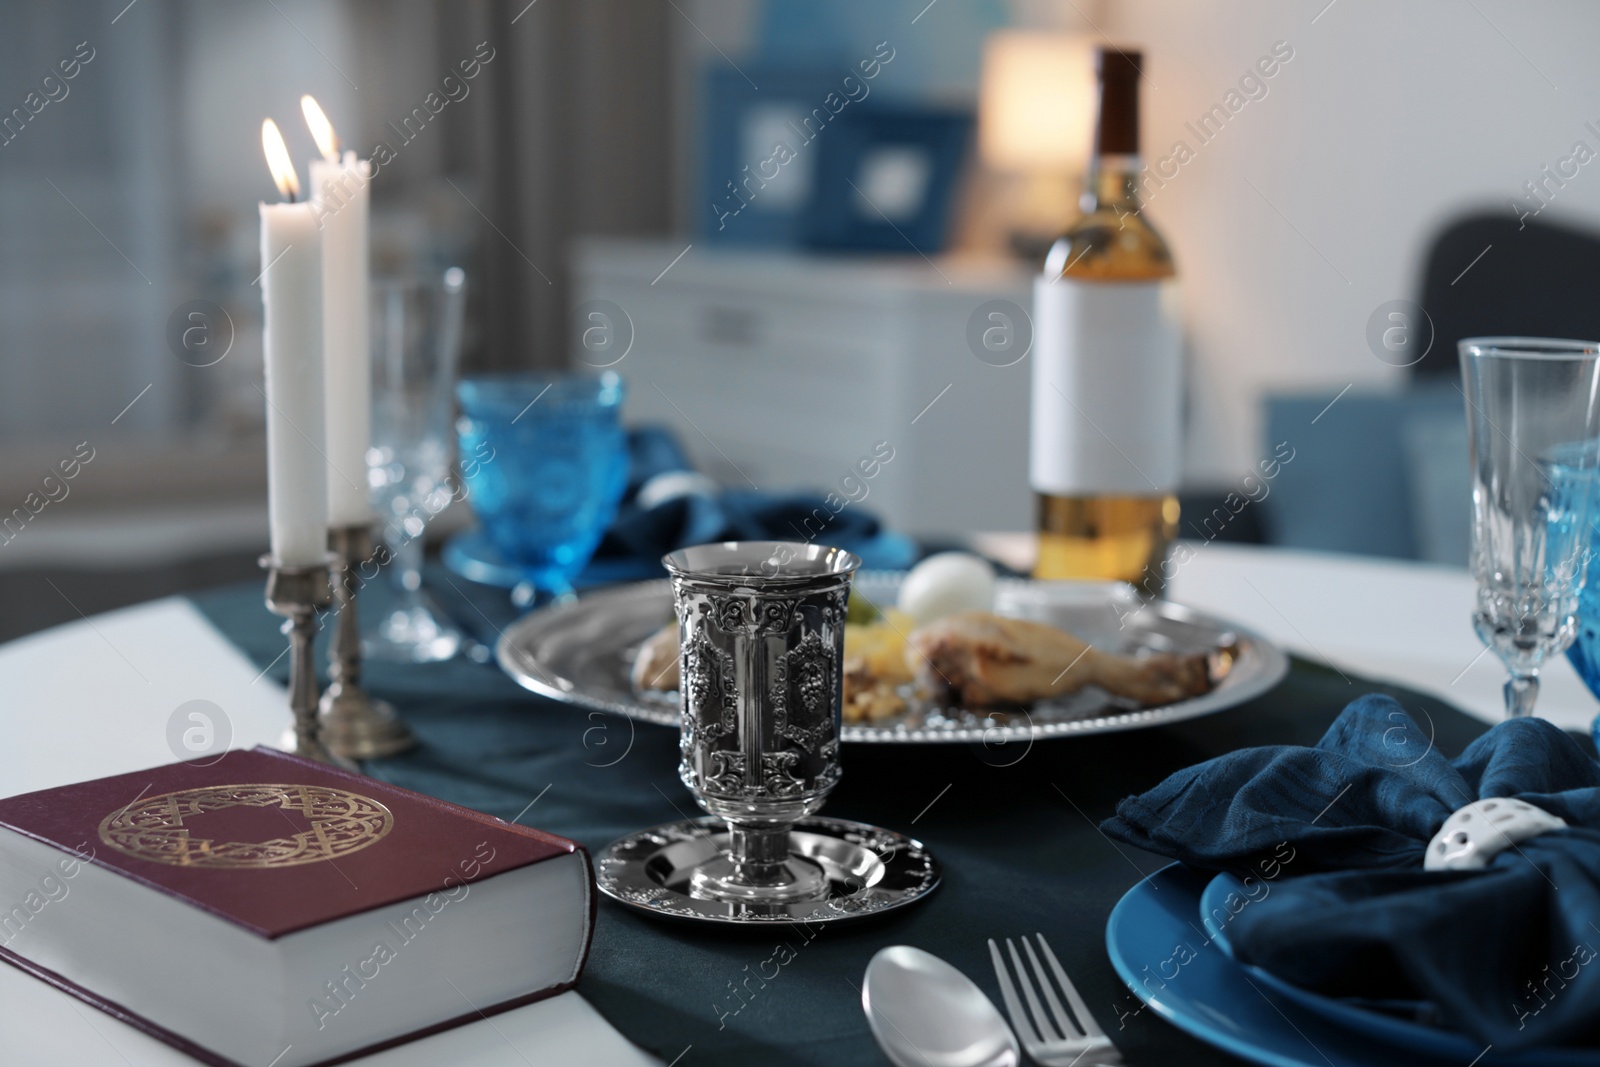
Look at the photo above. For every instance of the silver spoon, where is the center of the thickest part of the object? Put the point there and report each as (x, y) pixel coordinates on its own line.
(925, 1013)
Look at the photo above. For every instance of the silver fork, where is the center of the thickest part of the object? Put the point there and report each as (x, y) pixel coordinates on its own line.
(1067, 1042)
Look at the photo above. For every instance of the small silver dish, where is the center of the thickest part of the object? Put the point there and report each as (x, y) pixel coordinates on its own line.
(868, 871)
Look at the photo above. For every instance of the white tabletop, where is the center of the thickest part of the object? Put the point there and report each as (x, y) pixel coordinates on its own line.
(1408, 623)
(95, 697)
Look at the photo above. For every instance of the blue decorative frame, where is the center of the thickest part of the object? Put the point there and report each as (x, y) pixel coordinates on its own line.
(832, 220)
(729, 96)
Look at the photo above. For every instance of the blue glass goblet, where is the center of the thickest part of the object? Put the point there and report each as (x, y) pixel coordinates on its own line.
(545, 461)
(1584, 652)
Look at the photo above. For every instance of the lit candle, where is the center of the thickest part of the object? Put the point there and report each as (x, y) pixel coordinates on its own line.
(291, 299)
(339, 202)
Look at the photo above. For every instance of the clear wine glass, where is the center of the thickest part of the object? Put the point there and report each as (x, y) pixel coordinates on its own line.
(416, 346)
(1533, 436)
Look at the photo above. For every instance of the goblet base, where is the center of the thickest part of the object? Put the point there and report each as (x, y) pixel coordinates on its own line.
(682, 870)
(793, 879)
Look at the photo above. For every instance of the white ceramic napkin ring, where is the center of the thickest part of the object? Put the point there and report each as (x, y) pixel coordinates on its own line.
(1475, 834)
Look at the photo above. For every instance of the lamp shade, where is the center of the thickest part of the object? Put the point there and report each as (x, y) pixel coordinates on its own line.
(1037, 101)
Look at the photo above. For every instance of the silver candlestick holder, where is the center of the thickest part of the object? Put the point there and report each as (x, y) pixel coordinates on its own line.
(297, 591)
(353, 724)
(761, 639)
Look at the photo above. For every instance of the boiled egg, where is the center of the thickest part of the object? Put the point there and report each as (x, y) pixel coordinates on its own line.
(946, 583)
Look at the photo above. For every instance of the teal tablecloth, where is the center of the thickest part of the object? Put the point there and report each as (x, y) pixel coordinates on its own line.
(1016, 832)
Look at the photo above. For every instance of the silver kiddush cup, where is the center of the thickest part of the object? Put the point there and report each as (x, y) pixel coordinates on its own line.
(761, 632)
(761, 642)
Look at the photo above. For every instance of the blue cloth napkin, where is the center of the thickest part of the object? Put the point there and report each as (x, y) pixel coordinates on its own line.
(640, 535)
(1334, 838)
(734, 515)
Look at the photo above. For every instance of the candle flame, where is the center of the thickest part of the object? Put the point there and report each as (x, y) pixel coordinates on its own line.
(321, 129)
(278, 162)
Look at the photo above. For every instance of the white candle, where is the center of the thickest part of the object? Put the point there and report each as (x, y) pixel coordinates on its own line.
(339, 202)
(291, 298)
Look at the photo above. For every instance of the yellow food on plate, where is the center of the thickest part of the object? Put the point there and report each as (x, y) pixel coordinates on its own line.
(875, 667)
(881, 644)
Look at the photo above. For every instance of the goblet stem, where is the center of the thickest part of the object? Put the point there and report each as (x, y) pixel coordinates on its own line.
(758, 854)
(1521, 692)
(406, 555)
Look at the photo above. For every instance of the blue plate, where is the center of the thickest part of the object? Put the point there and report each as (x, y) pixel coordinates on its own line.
(1162, 953)
(1391, 1029)
(470, 555)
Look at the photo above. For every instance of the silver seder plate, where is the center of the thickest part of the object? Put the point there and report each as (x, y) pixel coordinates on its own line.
(581, 652)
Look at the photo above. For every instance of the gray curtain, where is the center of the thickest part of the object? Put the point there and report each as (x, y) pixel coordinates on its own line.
(574, 137)
(136, 191)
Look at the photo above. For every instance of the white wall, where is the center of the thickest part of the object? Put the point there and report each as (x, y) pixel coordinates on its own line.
(1389, 119)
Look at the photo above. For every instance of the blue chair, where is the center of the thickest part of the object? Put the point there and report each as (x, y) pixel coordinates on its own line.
(1493, 274)
(1385, 474)
(1379, 474)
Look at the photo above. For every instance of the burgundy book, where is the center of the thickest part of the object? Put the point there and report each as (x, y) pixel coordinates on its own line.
(269, 910)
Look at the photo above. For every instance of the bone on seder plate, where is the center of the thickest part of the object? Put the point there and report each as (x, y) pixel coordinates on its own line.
(656, 665)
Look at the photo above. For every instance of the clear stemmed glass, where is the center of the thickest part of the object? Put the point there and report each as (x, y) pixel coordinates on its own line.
(1533, 435)
(416, 345)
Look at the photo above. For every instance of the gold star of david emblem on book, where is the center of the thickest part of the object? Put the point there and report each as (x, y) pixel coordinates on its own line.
(341, 822)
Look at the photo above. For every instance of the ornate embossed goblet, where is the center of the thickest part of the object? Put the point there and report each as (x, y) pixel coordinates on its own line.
(761, 633)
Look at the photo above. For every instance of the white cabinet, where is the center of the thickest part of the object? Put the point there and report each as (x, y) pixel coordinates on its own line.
(782, 371)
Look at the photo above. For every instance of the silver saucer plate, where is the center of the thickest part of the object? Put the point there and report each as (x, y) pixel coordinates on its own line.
(581, 652)
(869, 871)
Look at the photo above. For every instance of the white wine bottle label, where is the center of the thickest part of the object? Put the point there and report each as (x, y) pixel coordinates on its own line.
(1107, 388)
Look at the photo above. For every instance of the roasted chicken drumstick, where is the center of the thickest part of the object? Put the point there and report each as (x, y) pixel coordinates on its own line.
(975, 659)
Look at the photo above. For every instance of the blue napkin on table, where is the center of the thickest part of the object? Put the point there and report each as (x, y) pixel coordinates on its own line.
(648, 527)
(1509, 954)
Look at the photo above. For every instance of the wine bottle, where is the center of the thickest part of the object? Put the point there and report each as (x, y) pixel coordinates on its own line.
(1104, 456)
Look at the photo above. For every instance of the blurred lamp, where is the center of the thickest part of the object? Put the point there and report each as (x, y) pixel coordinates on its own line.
(1035, 124)
(1037, 102)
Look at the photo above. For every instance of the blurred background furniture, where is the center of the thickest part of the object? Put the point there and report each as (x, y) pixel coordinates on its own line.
(134, 196)
(1505, 275)
(1379, 474)
(1385, 474)
(778, 369)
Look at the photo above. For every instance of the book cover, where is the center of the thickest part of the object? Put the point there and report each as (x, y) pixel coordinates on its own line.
(274, 845)
(274, 842)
